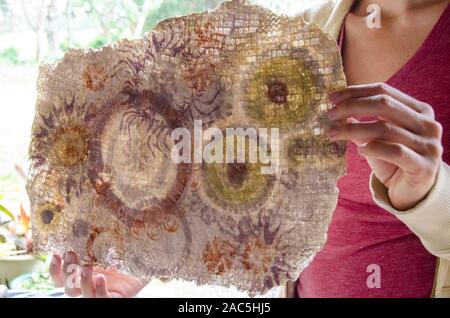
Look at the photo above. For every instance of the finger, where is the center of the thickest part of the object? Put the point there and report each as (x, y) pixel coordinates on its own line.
(385, 171)
(101, 288)
(401, 156)
(55, 270)
(112, 269)
(86, 282)
(383, 107)
(116, 295)
(109, 271)
(358, 91)
(362, 133)
(70, 274)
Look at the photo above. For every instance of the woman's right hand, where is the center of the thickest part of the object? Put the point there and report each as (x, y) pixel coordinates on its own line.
(95, 282)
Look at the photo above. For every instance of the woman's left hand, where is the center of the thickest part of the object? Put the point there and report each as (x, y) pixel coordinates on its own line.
(402, 146)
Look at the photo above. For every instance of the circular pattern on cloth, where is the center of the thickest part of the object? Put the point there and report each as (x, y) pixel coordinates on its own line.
(237, 186)
(280, 92)
(129, 161)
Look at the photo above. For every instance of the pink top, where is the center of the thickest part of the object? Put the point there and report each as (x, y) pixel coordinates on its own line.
(361, 233)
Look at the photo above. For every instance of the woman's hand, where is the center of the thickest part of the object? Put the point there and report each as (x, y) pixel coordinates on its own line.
(94, 282)
(402, 146)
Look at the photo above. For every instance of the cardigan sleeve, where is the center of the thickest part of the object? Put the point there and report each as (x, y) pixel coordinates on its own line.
(430, 218)
(329, 14)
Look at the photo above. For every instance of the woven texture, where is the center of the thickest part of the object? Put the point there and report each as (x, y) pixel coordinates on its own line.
(102, 182)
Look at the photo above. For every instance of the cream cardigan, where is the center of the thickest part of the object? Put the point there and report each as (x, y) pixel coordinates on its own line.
(430, 219)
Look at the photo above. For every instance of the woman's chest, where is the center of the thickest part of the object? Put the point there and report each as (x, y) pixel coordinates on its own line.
(371, 56)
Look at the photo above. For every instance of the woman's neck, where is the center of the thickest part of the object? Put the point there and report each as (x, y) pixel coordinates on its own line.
(393, 9)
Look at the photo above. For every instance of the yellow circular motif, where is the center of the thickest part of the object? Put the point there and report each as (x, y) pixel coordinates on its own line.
(280, 92)
(237, 184)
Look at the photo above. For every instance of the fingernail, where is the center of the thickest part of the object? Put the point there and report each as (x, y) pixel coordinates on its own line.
(68, 257)
(332, 132)
(85, 271)
(333, 96)
(54, 260)
(98, 281)
(332, 114)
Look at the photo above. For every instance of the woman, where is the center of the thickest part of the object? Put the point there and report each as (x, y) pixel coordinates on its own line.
(398, 222)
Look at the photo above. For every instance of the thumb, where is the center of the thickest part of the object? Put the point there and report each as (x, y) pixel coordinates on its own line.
(383, 170)
(101, 287)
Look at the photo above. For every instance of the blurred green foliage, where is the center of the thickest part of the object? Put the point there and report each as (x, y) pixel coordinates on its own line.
(51, 27)
(10, 55)
(46, 29)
